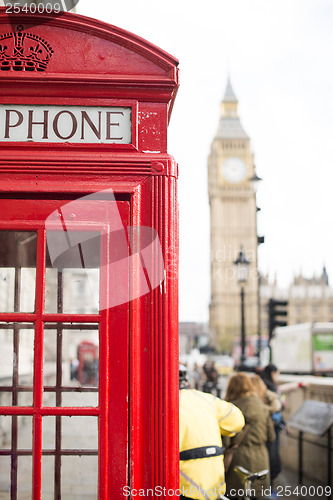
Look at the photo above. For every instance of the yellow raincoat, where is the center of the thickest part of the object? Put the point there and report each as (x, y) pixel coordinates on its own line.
(202, 420)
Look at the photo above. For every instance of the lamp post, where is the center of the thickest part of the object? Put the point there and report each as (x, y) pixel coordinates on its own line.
(255, 181)
(242, 264)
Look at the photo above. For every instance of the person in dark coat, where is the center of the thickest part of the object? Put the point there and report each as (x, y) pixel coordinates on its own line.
(252, 452)
(270, 398)
(211, 374)
(270, 376)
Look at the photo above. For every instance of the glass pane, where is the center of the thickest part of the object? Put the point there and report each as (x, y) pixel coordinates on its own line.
(5, 398)
(49, 398)
(7, 287)
(79, 478)
(5, 478)
(76, 472)
(80, 399)
(72, 272)
(48, 433)
(25, 398)
(28, 284)
(17, 271)
(6, 355)
(16, 364)
(79, 433)
(47, 478)
(5, 433)
(71, 362)
(24, 474)
(26, 355)
(24, 432)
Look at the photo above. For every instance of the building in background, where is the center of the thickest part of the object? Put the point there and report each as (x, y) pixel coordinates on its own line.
(309, 299)
(233, 225)
(192, 336)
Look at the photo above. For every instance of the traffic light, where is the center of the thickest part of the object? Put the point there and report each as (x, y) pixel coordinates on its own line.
(276, 308)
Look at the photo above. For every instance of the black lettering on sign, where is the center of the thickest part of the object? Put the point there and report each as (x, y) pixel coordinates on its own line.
(8, 123)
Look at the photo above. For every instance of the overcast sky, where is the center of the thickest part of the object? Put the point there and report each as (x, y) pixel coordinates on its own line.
(279, 58)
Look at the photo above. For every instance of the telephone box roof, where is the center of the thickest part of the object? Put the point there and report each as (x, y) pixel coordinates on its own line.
(88, 53)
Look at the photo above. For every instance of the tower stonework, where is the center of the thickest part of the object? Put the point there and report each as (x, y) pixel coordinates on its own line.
(232, 226)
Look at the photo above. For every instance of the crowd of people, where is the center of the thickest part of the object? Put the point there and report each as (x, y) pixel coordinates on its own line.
(205, 378)
(247, 422)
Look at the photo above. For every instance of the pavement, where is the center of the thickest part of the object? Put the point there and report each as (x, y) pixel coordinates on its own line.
(286, 486)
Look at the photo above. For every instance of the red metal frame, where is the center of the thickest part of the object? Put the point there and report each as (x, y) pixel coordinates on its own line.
(14, 210)
(116, 68)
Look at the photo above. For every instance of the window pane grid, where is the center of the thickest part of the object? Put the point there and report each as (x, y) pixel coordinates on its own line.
(39, 322)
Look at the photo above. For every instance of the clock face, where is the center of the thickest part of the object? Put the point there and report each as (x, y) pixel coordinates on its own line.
(233, 170)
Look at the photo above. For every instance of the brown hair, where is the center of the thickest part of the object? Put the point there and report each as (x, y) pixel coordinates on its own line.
(259, 386)
(239, 386)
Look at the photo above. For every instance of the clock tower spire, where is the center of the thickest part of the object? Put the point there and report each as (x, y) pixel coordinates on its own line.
(230, 126)
(232, 224)
(229, 103)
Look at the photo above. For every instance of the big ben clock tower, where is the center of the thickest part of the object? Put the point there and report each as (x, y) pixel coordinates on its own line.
(233, 215)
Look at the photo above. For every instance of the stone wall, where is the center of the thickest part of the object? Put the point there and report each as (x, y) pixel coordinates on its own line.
(315, 448)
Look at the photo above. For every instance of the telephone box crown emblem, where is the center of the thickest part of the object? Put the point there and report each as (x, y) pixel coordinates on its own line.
(22, 51)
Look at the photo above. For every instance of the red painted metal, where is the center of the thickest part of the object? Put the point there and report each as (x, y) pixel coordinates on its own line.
(95, 64)
(38, 365)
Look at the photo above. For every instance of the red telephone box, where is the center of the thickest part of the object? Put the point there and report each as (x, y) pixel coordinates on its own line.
(87, 363)
(88, 257)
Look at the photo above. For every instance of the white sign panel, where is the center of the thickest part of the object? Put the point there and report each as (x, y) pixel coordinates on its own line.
(76, 124)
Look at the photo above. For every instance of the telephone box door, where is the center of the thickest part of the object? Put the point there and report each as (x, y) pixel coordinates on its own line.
(64, 348)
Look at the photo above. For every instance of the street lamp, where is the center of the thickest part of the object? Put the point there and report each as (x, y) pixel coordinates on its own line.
(255, 181)
(242, 264)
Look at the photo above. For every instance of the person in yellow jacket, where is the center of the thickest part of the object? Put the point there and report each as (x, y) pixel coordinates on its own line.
(203, 418)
